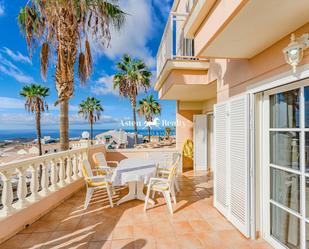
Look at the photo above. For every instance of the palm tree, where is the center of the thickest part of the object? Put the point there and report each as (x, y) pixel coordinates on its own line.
(91, 109)
(149, 107)
(133, 75)
(62, 29)
(35, 103)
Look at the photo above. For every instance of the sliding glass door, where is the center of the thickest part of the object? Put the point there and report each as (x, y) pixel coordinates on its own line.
(287, 165)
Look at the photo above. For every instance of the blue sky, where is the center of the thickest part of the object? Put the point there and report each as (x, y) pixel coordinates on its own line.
(140, 38)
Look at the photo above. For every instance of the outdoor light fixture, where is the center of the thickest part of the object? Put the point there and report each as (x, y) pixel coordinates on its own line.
(295, 50)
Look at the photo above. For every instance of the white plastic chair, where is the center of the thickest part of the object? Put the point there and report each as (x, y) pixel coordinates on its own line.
(102, 164)
(166, 186)
(95, 182)
(164, 172)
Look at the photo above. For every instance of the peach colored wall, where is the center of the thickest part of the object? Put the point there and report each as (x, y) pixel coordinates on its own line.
(17, 221)
(222, 12)
(235, 76)
(185, 131)
(183, 77)
(208, 106)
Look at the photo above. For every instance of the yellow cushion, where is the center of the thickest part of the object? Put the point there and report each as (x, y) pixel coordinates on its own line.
(97, 184)
(160, 186)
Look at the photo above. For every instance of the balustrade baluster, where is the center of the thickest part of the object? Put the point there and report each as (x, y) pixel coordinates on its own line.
(69, 178)
(22, 188)
(7, 194)
(80, 161)
(75, 166)
(61, 182)
(44, 179)
(34, 184)
(53, 175)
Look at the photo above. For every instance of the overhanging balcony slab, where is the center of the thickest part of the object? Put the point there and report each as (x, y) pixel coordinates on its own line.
(196, 66)
(196, 17)
(250, 28)
(189, 92)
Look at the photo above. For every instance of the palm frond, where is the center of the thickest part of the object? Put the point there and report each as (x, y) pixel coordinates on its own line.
(44, 56)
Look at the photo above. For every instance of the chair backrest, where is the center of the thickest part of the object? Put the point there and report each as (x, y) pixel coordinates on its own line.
(86, 169)
(175, 165)
(99, 159)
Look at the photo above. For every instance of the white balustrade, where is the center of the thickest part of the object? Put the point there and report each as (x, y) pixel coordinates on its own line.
(7, 193)
(69, 169)
(58, 170)
(44, 179)
(61, 172)
(21, 188)
(53, 175)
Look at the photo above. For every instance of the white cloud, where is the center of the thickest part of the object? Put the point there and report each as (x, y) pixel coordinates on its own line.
(104, 86)
(163, 5)
(11, 103)
(49, 119)
(2, 9)
(16, 56)
(16, 74)
(137, 31)
(15, 103)
(10, 69)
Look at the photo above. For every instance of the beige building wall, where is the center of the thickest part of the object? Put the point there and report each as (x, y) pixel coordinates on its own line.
(185, 131)
(236, 76)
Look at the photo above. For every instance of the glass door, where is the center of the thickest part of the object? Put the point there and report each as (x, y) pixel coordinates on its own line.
(287, 139)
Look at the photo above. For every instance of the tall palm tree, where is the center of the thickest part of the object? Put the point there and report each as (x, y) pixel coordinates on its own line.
(149, 107)
(133, 76)
(35, 103)
(62, 29)
(91, 109)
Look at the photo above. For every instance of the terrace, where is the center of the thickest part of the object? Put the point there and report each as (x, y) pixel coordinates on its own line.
(51, 214)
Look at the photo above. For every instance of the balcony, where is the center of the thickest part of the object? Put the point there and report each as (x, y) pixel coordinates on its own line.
(242, 29)
(176, 64)
(195, 223)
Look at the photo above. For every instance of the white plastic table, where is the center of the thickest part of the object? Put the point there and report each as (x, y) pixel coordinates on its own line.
(135, 172)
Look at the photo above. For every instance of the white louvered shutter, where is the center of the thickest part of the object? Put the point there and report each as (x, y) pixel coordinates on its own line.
(221, 158)
(200, 142)
(239, 163)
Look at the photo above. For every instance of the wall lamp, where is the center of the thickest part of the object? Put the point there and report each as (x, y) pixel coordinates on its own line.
(294, 52)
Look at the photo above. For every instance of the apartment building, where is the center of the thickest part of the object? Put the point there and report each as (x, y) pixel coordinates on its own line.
(239, 71)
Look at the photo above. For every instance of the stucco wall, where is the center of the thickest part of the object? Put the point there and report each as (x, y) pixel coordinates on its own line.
(236, 76)
(185, 131)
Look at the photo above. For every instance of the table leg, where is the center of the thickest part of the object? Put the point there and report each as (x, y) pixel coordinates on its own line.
(131, 195)
(140, 193)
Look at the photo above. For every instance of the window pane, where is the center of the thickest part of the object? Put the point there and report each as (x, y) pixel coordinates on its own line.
(284, 149)
(307, 151)
(306, 106)
(284, 109)
(285, 188)
(285, 227)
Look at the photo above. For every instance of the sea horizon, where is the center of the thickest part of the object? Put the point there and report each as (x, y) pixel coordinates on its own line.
(73, 133)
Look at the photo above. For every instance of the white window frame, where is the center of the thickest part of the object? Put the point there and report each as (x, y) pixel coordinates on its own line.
(266, 169)
(273, 82)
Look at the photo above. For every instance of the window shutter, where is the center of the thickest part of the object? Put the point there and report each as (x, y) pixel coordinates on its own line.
(239, 163)
(220, 169)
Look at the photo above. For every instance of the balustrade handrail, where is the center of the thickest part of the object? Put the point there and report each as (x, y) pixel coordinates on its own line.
(43, 174)
(37, 159)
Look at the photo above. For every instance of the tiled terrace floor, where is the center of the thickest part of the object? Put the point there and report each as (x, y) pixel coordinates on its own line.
(195, 224)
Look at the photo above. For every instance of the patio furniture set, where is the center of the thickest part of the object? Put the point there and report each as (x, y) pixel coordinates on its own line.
(134, 173)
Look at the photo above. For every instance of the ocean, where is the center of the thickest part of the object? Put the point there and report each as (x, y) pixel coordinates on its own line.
(31, 134)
